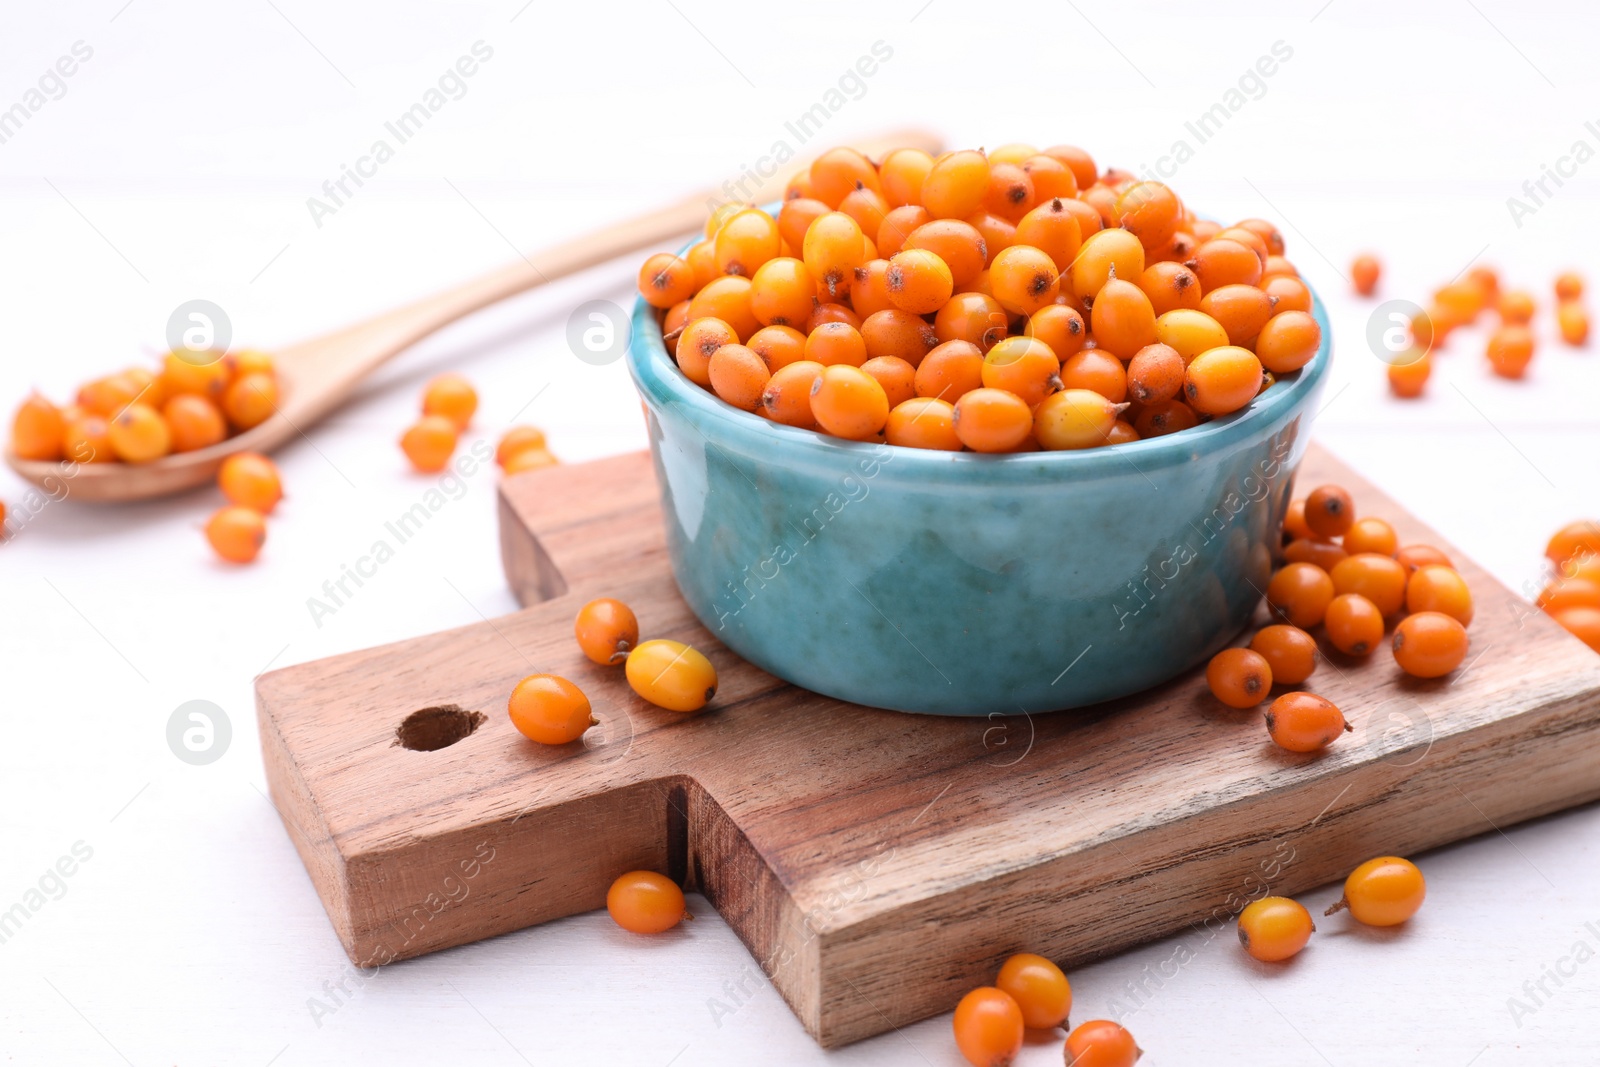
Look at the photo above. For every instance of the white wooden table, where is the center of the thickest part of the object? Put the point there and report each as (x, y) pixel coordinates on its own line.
(176, 163)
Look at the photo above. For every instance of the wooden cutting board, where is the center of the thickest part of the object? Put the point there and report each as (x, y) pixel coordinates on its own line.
(878, 865)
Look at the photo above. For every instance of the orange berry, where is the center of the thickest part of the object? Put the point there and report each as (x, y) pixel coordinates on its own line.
(1222, 380)
(1364, 274)
(1379, 578)
(696, 344)
(747, 240)
(835, 344)
(139, 435)
(1582, 623)
(109, 395)
(530, 459)
(1569, 285)
(1413, 556)
(919, 281)
(1164, 417)
(237, 533)
(1122, 319)
(726, 298)
(1151, 212)
(1189, 333)
(1101, 1043)
(664, 280)
(1170, 287)
(1105, 255)
(794, 220)
(848, 402)
(779, 346)
(1383, 892)
(251, 400)
(1024, 279)
(1155, 373)
(179, 375)
(1441, 589)
(430, 443)
(956, 184)
(950, 371)
(1039, 987)
(38, 429)
(1324, 554)
(606, 630)
(1564, 593)
(1273, 929)
(1288, 341)
(671, 675)
(1573, 321)
(1407, 380)
(1371, 535)
(902, 173)
(549, 709)
(1221, 261)
(518, 439)
(1022, 365)
(1242, 311)
(644, 902)
(1304, 722)
(1239, 677)
(1053, 230)
(832, 251)
(923, 422)
(992, 420)
(838, 171)
(782, 292)
(1299, 594)
(1099, 371)
(957, 243)
(976, 318)
(895, 375)
(1288, 294)
(1059, 326)
(251, 480)
(1288, 650)
(1516, 307)
(787, 397)
(739, 376)
(1429, 644)
(1330, 511)
(988, 1027)
(1075, 418)
(87, 439)
(1580, 538)
(1510, 351)
(1354, 624)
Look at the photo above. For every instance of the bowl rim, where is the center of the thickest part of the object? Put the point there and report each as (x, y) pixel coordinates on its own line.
(657, 376)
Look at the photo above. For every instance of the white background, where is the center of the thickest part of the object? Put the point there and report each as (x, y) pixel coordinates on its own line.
(178, 165)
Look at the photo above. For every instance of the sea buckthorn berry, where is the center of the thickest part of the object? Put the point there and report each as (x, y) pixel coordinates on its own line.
(1330, 511)
(1569, 285)
(972, 317)
(236, 534)
(1299, 594)
(1060, 327)
(139, 435)
(868, 208)
(1510, 351)
(991, 420)
(1573, 322)
(787, 397)
(1222, 380)
(832, 250)
(1304, 722)
(1151, 212)
(1220, 262)
(1075, 418)
(898, 225)
(1103, 198)
(253, 399)
(241, 362)
(1164, 417)
(1189, 332)
(1242, 311)
(1371, 535)
(739, 376)
(782, 292)
(1106, 254)
(1564, 593)
(1252, 241)
(957, 243)
(1024, 279)
(37, 430)
(956, 185)
(109, 395)
(1022, 365)
(1288, 341)
(1383, 892)
(1325, 554)
(895, 375)
(1516, 307)
(1122, 432)
(517, 439)
(1379, 578)
(1294, 521)
(702, 257)
(988, 1027)
(923, 422)
(721, 214)
(671, 675)
(1239, 677)
(778, 345)
(430, 443)
(87, 439)
(1122, 320)
(1078, 161)
(1053, 230)
(1010, 194)
(1273, 929)
(1413, 556)
(836, 344)
(1097, 370)
(898, 333)
(530, 459)
(1288, 650)
(1101, 1043)
(1170, 286)
(794, 220)
(606, 630)
(1429, 644)
(1051, 178)
(728, 299)
(950, 371)
(1441, 589)
(1354, 624)
(1288, 294)
(676, 318)
(1039, 987)
(902, 173)
(250, 480)
(831, 313)
(665, 279)
(869, 291)
(997, 233)
(549, 709)
(919, 281)
(1364, 275)
(1408, 379)
(193, 423)
(644, 902)
(1580, 538)
(848, 402)
(838, 171)
(1582, 623)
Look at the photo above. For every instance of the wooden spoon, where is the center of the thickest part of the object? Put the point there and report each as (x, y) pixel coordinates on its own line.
(316, 376)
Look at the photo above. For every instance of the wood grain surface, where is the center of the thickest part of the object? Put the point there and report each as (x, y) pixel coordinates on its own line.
(878, 864)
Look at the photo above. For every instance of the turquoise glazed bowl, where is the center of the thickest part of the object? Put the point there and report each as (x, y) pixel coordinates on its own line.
(965, 584)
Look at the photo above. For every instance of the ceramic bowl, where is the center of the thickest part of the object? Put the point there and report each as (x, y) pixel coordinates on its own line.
(966, 584)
